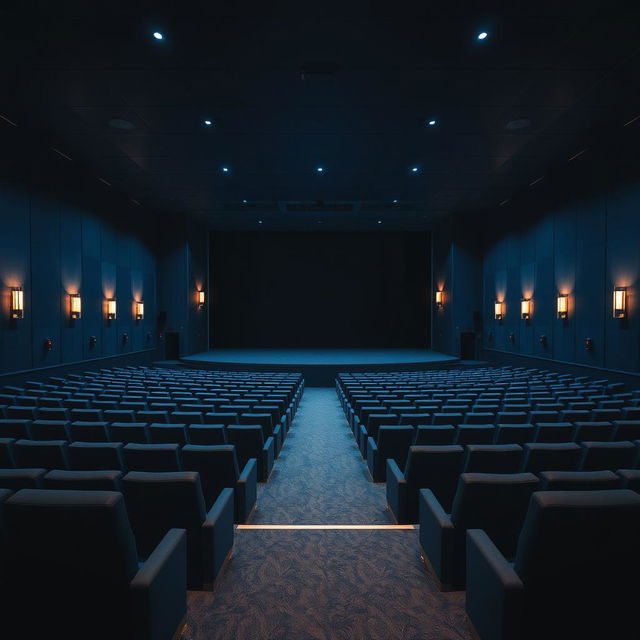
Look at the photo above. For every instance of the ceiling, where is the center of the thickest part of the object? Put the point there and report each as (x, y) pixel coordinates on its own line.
(343, 87)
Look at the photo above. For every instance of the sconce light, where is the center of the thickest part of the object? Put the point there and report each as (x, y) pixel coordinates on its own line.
(498, 310)
(48, 344)
(111, 309)
(620, 302)
(562, 306)
(439, 299)
(92, 342)
(543, 340)
(525, 308)
(75, 306)
(138, 308)
(200, 299)
(17, 303)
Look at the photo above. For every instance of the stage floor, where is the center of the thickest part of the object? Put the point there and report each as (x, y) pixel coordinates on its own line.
(320, 357)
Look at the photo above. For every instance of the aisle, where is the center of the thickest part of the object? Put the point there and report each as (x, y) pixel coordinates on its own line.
(298, 584)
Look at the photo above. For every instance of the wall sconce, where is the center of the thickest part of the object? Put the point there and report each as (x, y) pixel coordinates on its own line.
(543, 340)
(498, 309)
(525, 308)
(138, 310)
(111, 309)
(200, 299)
(620, 302)
(75, 306)
(17, 303)
(562, 306)
(439, 299)
(92, 342)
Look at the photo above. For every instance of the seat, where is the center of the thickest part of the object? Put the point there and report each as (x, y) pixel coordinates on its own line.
(414, 419)
(514, 433)
(94, 456)
(250, 443)
(608, 455)
(21, 413)
(152, 457)
(158, 502)
(579, 481)
(152, 416)
(625, 430)
(497, 503)
(49, 413)
(511, 417)
(168, 433)
(551, 456)
(428, 467)
(474, 434)
(593, 431)
(22, 478)
(84, 480)
(46, 454)
(16, 429)
(89, 555)
(218, 469)
(186, 417)
(573, 547)
(554, 432)
(221, 417)
(393, 442)
(605, 415)
(207, 434)
(89, 431)
(480, 417)
(49, 430)
(87, 415)
(119, 415)
(7, 458)
(435, 434)
(127, 432)
(492, 458)
(453, 418)
(630, 479)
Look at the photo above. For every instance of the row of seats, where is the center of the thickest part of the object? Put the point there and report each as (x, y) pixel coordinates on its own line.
(438, 468)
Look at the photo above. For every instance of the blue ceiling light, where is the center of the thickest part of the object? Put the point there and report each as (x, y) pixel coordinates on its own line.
(379, 221)
(414, 169)
(395, 202)
(244, 202)
(320, 169)
(432, 122)
(208, 122)
(259, 221)
(482, 35)
(158, 35)
(225, 169)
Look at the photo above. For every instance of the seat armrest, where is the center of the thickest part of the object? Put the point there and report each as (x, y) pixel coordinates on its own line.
(362, 440)
(267, 458)
(373, 461)
(396, 491)
(246, 491)
(437, 538)
(277, 437)
(495, 593)
(159, 588)
(217, 536)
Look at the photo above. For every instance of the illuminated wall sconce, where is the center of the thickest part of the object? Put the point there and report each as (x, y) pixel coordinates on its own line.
(75, 306)
(620, 302)
(200, 299)
(525, 308)
(439, 299)
(498, 310)
(562, 306)
(17, 303)
(138, 310)
(111, 309)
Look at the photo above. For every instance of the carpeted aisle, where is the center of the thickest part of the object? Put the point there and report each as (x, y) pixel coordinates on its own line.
(324, 583)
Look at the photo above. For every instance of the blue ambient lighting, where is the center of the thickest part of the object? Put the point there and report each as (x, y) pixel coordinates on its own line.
(157, 35)
(482, 35)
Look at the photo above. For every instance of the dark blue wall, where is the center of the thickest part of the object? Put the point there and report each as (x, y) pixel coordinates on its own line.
(61, 235)
(584, 247)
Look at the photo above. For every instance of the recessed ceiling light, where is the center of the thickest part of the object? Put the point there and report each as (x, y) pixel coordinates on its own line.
(320, 169)
(225, 169)
(379, 221)
(208, 123)
(157, 35)
(482, 35)
(432, 122)
(414, 169)
(395, 202)
(244, 202)
(259, 221)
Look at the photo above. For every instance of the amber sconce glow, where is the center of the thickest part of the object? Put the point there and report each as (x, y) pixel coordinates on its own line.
(138, 310)
(525, 308)
(111, 309)
(562, 306)
(200, 299)
(439, 299)
(498, 309)
(620, 302)
(75, 306)
(17, 303)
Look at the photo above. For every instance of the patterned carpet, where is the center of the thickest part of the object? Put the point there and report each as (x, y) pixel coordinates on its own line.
(324, 584)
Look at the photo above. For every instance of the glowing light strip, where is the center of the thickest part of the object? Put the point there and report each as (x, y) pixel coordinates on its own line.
(348, 527)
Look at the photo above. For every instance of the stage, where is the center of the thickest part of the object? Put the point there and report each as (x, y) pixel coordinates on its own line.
(319, 366)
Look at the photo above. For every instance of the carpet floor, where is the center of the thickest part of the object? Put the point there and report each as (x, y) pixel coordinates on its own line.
(324, 583)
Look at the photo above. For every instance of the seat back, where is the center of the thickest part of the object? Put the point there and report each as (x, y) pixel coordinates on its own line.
(394, 442)
(22, 478)
(493, 458)
(47, 454)
(208, 434)
(427, 435)
(579, 481)
(152, 457)
(608, 455)
(573, 547)
(217, 466)
(543, 456)
(84, 480)
(248, 441)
